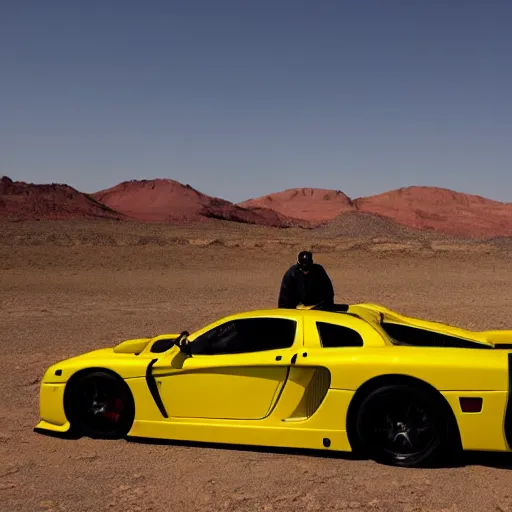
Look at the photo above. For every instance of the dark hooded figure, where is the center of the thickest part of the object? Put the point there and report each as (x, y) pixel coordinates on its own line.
(306, 283)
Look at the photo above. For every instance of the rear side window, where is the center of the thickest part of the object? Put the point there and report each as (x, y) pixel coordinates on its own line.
(332, 335)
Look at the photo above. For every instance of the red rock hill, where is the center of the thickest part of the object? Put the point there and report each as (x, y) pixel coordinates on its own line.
(28, 201)
(165, 200)
(418, 207)
(309, 204)
(441, 210)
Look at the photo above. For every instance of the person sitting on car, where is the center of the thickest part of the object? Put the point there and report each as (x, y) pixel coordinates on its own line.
(306, 283)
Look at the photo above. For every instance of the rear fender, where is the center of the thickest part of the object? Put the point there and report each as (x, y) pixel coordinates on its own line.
(500, 339)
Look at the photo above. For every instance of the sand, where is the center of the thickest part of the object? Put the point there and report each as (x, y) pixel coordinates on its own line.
(69, 288)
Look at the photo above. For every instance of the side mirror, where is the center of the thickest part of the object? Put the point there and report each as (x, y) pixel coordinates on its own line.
(183, 343)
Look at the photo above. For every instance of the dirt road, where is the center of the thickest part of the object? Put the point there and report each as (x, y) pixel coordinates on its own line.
(60, 301)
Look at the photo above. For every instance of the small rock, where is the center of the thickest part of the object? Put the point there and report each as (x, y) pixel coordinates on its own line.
(4, 438)
(9, 471)
(88, 456)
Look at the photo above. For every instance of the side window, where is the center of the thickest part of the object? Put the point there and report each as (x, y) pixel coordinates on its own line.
(332, 335)
(246, 335)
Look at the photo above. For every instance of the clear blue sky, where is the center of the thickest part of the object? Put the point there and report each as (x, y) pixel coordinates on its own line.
(241, 98)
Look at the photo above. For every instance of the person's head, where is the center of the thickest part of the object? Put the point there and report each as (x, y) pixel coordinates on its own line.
(305, 261)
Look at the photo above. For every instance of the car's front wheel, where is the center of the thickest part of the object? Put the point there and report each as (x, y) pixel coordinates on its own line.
(99, 405)
(402, 425)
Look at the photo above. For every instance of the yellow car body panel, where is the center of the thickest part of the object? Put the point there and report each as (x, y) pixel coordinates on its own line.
(51, 397)
(132, 346)
(484, 337)
(297, 396)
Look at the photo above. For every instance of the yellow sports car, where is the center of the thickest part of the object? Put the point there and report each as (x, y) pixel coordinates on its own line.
(360, 378)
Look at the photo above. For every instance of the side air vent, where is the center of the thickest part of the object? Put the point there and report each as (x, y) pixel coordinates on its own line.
(162, 345)
(314, 394)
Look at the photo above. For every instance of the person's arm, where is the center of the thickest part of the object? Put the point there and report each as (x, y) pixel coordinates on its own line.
(328, 288)
(286, 293)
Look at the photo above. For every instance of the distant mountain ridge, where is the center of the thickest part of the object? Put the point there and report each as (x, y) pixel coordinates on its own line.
(418, 207)
(421, 208)
(166, 200)
(26, 201)
(311, 204)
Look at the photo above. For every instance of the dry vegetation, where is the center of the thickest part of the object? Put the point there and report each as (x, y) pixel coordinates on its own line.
(70, 287)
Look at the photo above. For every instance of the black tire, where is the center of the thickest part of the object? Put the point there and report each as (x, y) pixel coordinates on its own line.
(403, 425)
(100, 405)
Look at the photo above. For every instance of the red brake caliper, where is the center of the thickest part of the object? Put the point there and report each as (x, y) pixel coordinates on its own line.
(112, 415)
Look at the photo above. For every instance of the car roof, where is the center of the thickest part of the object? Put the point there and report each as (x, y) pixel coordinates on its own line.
(347, 319)
(335, 317)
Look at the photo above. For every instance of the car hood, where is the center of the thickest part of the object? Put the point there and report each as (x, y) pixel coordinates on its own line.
(129, 359)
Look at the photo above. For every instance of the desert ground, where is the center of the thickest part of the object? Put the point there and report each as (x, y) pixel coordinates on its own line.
(66, 288)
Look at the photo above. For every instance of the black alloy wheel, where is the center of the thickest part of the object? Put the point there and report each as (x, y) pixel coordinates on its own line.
(402, 425)
(100, 405)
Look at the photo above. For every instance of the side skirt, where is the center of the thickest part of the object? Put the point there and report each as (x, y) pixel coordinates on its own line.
(301, 438)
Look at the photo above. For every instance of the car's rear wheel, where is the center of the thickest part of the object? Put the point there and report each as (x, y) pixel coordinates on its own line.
(99, 405)
(402, 425)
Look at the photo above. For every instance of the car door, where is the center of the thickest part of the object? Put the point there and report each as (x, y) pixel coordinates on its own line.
(237, 370)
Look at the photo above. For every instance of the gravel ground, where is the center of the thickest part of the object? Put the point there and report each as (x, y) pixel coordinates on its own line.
(60, 301)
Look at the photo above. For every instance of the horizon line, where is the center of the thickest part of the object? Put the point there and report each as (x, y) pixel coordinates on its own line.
(351, 198)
